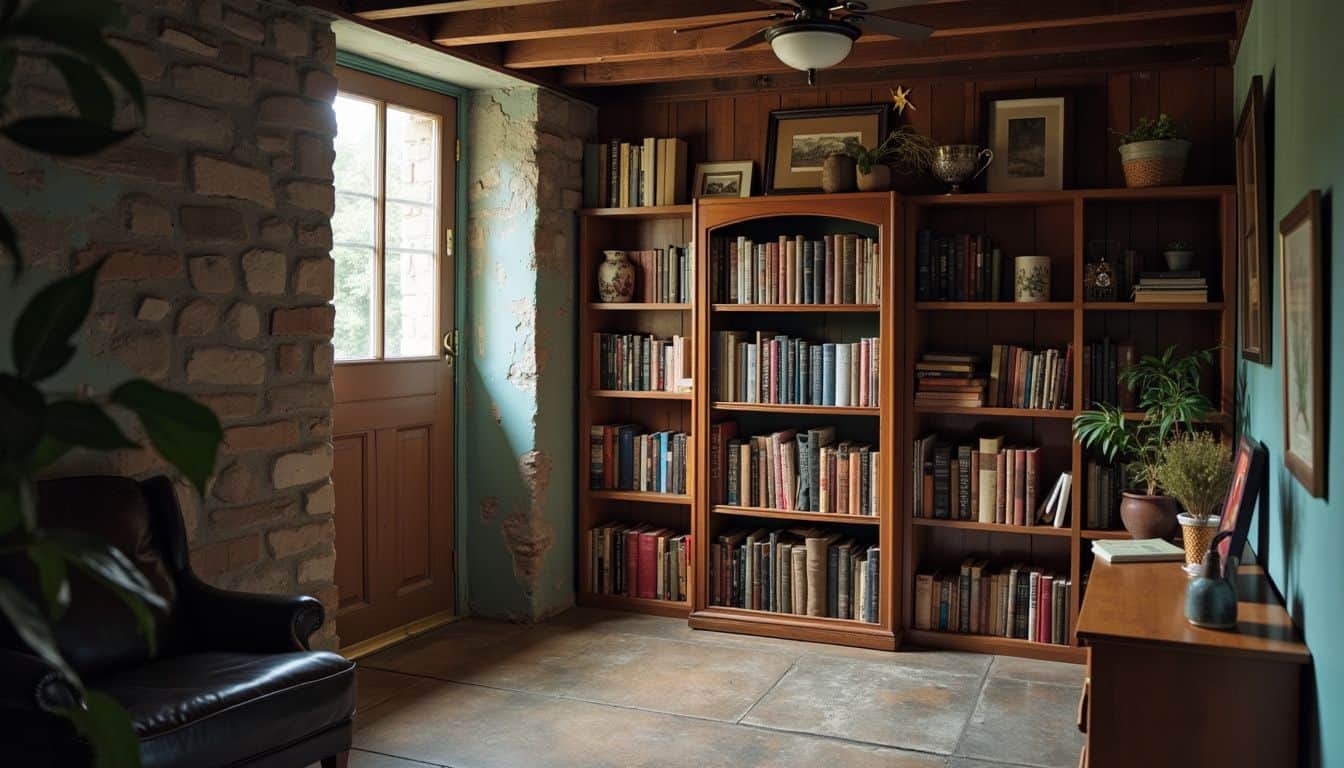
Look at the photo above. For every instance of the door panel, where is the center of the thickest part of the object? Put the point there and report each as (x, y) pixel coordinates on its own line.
(393, 418)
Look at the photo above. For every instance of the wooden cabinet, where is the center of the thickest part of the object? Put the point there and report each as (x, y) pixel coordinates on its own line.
(1162, 692)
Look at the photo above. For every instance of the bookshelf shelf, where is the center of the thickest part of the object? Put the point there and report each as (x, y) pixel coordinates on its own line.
(786, 514)
(834, 410)
(1060, 225)
(994, 306)
(677, 609)
(794, 627)
(641, 496)
(640, 212)
(802, 308)
(633, 394)
(974, 525)
(638, 306)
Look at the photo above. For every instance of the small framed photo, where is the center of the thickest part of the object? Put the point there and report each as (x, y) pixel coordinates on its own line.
(1248, 479)
(726, 179)
(1253, 247)
(1303, 344)
(1027, 137)
(798, 141)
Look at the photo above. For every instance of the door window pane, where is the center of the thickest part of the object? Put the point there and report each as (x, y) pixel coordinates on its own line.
(354, 228)
(409, 319)
(412, 222)
(356, 304)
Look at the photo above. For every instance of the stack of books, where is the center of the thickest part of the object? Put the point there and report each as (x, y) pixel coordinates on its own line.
(949, 380)
(664, 275)
(1101, 496)
(632, 174)
(959, 267)
(1022, 378)
(768, 367)
(639, 363)
(1136, 551)
(796, 470)
(836, 269)
(803, 571)
(986, 482)
(1171, 288)
(1103, 361)
(639, 560)
(1021, 601)
(622, 457)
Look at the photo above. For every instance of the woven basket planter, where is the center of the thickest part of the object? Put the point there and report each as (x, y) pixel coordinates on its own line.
(1154, 163)
(1196, 535)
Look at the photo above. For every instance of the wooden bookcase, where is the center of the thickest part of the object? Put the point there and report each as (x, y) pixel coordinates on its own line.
(1057, 224)
(876, 215)
(631, 229)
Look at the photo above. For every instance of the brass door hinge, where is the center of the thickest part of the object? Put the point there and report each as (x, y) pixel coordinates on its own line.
(457, 150)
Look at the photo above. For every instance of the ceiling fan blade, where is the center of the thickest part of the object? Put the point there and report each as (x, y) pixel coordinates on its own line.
(747, 42)
(790, 3)
(862, 6)
(714, 25)
(901, 29)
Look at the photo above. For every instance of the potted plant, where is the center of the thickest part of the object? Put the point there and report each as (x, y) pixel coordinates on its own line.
(1154, 152)
(905, 149)
(1179, 255)
(1196, 469)
(1168, 394)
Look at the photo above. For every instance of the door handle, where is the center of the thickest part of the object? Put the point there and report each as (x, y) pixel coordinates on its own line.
(450, 346)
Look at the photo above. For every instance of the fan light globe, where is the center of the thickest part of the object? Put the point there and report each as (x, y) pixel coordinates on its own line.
(813, 47)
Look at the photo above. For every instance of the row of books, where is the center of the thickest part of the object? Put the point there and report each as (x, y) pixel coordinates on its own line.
(837, 269)
(663, 275)
(624, 174)
(1171, 287)
(639, 560)
(1023, 378)
(623, 457)
(1101, 495)
(1103, 361)
(765, 367)
(946, 379)
(960, 267)
(641, 363)
(798, 470)
(1020, 601)
(803, 571)
(985, 482)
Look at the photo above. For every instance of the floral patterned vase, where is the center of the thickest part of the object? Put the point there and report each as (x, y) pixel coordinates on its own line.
(615, 278)
(1031, 281)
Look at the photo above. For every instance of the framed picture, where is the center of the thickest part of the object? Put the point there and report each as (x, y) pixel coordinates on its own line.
(1248, 479)
(1303, 344)
(799, 140)
(728, 179)
(1027, 137)
(1253, 237)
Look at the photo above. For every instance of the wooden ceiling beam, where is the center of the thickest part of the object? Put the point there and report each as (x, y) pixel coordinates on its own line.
(379, 10)
(949, 20)
(567, 18)
(1043, 42)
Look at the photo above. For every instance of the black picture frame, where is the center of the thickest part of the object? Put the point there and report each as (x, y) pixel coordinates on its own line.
(780, 115)
(1248, 481)
(1253, 229)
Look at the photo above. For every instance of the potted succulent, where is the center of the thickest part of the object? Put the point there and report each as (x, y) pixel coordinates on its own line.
(1196, 469)
(1154, 152)
(1168, 394)
(1179, 255)
(905, 149)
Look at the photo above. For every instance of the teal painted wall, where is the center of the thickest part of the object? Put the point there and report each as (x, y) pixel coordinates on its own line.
(1297, 46)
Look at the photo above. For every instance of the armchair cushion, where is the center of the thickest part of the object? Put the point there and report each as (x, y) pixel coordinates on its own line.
(217, 709)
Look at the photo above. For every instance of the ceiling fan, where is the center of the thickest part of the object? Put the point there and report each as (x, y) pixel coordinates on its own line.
(821, 33)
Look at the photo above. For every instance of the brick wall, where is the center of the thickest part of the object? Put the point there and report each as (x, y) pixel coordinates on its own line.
(216, 222)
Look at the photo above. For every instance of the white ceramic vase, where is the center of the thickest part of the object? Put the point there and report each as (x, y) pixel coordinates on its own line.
(1031, 279)
(615, 278)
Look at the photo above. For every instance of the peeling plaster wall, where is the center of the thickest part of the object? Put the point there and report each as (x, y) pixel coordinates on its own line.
(524, 183)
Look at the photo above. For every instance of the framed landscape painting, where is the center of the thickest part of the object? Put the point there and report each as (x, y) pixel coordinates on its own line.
(1303, 344)
(1253, 220)
(724, 179)
(1027, 137)
(799, 140)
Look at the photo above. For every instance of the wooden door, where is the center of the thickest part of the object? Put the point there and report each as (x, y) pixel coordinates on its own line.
(393, 421)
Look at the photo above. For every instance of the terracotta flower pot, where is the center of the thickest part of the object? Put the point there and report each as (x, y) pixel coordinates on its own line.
(1196, 535)
(837, 173)
(877, 179)
(1148, 517)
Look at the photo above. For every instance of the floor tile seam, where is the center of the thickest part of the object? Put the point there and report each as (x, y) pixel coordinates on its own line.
(792, 665)
(979, 698)
(895, 663)
(842, 739)
(415, 760)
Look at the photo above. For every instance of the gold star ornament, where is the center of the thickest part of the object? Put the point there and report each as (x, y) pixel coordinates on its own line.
(900, 97)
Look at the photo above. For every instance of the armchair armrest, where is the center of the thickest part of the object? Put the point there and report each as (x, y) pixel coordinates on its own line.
(27, 682)
(220, 619)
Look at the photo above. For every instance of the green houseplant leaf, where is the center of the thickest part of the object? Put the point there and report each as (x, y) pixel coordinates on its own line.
(184, 432)
(41, 342)
(32, 628)
(57, 135)
(51, 575)
(22, 414)
(107, 727)
(73, 422)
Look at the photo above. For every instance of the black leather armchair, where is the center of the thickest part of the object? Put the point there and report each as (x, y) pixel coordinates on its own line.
(231, 682)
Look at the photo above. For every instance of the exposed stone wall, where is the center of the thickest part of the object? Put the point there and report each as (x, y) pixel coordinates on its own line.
(524, 184)
(216, 223)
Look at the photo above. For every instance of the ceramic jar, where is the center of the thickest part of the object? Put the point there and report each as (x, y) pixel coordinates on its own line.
(837, 173)
(1031, 279)
(1148, 517)
(615, 278)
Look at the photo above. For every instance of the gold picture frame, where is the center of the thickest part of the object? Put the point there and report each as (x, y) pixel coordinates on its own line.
(1300, 271)
(730, 178)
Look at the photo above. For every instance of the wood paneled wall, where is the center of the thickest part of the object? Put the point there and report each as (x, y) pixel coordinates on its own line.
(734, 127)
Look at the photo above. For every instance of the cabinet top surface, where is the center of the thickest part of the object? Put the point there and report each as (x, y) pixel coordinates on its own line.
(1145, 603)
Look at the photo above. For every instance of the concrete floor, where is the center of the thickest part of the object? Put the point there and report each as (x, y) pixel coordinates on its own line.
(599, 688)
